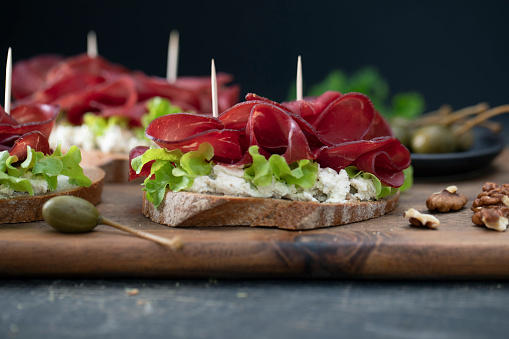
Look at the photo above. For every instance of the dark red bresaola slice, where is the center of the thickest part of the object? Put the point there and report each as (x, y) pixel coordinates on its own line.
(30, 75)
(51, 92)
(81, 84)
(35, 140)
(28, 125)
(347, 118)
(145, 171)
(276, 132)
(113, 97)
(186, 131)
(363, 154)
(83, 64)
(28, 118)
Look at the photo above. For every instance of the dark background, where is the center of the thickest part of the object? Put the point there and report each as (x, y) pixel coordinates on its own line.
(452, 52)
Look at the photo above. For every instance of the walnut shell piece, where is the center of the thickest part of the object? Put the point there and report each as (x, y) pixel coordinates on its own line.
(419, 219)
(447, 200)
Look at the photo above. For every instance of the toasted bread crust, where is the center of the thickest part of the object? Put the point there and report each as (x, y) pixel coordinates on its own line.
(193, 209)
(29, 208)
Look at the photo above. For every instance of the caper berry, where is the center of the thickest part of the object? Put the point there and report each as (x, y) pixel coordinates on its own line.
(70, 214)
(465, 141)
(433, 139)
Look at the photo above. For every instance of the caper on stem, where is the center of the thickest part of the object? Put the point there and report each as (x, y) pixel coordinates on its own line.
(71, 214)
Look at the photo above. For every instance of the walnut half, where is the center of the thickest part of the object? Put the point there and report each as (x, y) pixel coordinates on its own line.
(419, 219)
(447, 200)
(491, 208)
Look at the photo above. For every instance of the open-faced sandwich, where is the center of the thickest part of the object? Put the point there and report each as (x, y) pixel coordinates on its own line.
(325, 161)
(31, 172)
(106, 107)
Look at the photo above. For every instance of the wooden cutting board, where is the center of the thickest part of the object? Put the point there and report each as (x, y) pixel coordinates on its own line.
(384, 248)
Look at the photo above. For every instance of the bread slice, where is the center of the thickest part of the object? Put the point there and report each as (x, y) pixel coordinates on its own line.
(194, 209)
(29, 208)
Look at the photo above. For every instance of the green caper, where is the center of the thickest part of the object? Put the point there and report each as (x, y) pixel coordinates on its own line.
(433, 139)
(70, 214)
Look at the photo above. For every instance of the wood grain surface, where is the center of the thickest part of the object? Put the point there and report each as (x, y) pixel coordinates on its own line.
(384, 248)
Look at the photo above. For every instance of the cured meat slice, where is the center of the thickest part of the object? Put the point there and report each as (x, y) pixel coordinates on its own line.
(379, 128)
(83, 64)
(148, 87)
(25, 119)
(35, 140)
(237, 116)
(38, 117)
(145, 171)
(276, 132)
(27, 126)
(51, 92)
(381, 164)
(110, 98)
(348, 118)
(383, 157)
(29, 75)
(186, 131)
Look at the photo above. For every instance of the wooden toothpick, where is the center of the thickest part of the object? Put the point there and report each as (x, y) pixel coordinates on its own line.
(172, 61)
(92, 51)
(8, 82)
(299, 78)
(215, 108)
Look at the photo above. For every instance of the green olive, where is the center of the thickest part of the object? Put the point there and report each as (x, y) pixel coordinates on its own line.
(433, 139)
(71, 214)
(465, 141)
(402, 134)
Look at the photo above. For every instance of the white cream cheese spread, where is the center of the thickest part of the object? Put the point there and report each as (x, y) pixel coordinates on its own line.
(330, 187)
(39, 185)
(115, 139)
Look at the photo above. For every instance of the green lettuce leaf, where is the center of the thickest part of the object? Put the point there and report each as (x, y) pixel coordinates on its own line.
(42, 166)
(71, 167)
(259, 172)
(172, 170)
(381, 190)
(301, 173)
(155, 154)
